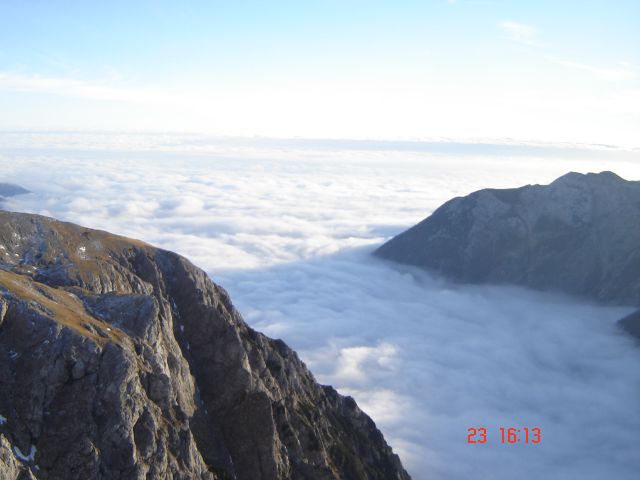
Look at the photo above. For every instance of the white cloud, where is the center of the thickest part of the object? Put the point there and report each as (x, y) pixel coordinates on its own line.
(288, 229)
(520, 32)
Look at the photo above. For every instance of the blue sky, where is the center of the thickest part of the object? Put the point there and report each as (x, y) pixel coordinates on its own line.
(466, 69)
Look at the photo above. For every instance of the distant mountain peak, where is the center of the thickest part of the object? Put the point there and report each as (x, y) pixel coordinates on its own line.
(604, 176)
(10, 190)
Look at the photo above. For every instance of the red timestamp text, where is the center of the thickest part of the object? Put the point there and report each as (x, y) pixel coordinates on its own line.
(507, 435)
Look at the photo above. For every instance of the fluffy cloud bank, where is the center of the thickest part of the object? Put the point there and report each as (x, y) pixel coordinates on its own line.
(288, 232)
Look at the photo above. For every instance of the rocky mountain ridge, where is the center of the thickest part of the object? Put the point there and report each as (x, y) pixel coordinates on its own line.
(579, 235)
(119, 360)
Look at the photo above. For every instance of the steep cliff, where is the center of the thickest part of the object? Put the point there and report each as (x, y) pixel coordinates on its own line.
(119, 360)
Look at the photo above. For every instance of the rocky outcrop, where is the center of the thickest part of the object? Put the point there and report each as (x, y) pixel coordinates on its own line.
(119, 360)
(579, 235)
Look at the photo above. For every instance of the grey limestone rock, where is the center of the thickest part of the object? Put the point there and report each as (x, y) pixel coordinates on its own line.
(119, 360)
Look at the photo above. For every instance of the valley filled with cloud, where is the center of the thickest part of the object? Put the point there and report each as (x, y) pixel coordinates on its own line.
(288, 227)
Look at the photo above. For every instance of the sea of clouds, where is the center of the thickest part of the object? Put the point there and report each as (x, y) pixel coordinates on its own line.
(288, 227)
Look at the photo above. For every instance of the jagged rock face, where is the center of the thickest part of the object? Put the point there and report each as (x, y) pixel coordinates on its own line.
(122, 361)
(579, 235)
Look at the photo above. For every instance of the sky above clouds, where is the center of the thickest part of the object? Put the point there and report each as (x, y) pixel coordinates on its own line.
(468, 69)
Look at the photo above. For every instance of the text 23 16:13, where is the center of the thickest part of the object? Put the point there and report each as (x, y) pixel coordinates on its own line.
(507, 435)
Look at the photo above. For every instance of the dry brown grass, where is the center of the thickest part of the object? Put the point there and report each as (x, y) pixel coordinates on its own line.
(61, 307)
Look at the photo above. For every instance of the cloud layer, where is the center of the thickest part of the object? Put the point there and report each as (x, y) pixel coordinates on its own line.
(288, 230)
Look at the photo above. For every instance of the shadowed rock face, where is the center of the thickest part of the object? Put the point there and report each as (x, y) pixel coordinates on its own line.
(122, 361)
(579, 235)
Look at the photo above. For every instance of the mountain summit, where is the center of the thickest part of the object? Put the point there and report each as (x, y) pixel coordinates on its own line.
(579, 235)
(119, 360)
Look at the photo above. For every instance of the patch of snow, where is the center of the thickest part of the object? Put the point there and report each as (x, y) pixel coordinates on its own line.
(182, 328)
(108, 329)
(2, 247)
(3, 419)
(13, 355)
(22, 456)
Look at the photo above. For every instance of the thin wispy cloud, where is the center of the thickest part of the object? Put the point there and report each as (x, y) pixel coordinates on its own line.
(70, 87)
(521, 33)
(630, 66)
(529, 35)
(624, 71)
